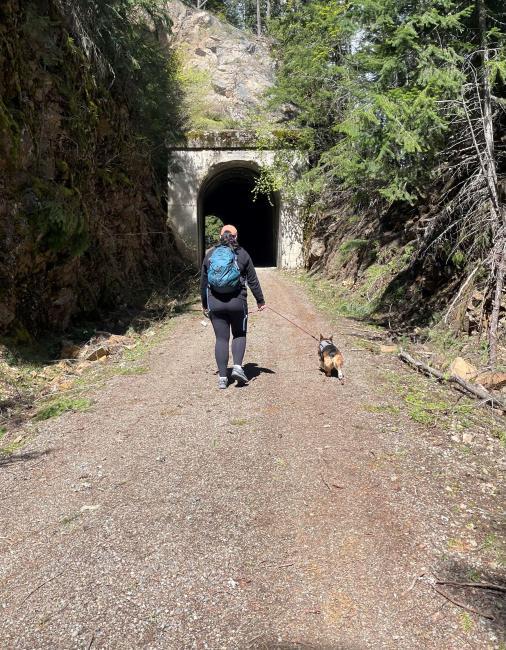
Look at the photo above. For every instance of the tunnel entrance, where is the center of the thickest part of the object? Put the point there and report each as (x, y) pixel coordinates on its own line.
(228, 197)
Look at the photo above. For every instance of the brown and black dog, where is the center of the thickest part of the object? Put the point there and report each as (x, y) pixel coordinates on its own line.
(330, 357)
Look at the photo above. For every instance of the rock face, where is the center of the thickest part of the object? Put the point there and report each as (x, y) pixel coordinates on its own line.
(81, 220)
(225, 71)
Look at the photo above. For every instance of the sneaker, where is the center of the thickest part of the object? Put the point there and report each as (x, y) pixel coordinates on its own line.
(222, 382)
(239, 375)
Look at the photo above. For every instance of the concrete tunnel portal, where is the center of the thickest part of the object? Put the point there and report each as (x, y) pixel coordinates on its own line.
(214, 173)
(228, 194)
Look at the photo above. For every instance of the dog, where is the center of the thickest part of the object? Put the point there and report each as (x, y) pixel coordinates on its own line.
(330, 357)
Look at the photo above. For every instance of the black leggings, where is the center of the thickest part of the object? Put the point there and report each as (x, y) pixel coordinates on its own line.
(226, 317)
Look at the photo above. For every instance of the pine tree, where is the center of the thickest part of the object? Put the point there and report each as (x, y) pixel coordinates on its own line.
(403, 98)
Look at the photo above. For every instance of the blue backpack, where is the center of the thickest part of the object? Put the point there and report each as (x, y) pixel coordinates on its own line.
(223, 273)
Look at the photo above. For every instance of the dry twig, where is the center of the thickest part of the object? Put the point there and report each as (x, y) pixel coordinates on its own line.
(458, 603)
(473, 585)
(42, 584)
(325, 483)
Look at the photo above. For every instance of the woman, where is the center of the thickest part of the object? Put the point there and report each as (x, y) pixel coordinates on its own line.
(227, 306)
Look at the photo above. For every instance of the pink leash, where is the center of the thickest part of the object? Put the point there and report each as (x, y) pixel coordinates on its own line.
(292, 322)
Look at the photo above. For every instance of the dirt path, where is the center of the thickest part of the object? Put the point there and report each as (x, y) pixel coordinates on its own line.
(280, 515)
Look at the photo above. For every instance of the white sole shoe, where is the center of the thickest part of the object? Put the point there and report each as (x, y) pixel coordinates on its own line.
(239, 375)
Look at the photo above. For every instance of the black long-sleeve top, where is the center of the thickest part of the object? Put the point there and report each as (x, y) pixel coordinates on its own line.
(249, 278)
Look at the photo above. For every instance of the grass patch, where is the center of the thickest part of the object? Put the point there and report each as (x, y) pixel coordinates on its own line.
(426, 410)
(137, 352)
(466, 622)
(12, 447)
(491, 542)
(445, 342)
(422, 410)
(348, 248)
(383, 408)
(238, 423)
(353, 245)
(500, 434)
(133, 370)
(60, 405)
(364, 286)
(335, 300)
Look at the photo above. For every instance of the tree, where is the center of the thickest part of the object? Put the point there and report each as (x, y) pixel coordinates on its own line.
(400, 99)
(252, 15)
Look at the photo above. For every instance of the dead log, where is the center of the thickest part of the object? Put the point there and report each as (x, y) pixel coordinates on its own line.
(472, 390)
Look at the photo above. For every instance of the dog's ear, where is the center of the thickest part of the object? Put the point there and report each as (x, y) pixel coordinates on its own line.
(321, 337)
(331, 338)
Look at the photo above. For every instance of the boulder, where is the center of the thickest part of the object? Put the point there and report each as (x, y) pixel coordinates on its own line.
(463, 369)
(96, 353)
(491, 380)
(316, 251)
(69, 350)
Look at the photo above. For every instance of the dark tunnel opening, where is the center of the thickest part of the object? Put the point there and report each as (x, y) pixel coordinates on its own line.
(228, 195)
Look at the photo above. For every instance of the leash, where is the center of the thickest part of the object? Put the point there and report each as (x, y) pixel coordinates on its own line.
(294, 324)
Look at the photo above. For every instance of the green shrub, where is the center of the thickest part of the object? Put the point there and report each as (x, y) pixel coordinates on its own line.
(213, 225)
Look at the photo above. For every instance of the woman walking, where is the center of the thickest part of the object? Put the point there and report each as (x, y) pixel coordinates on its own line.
(226, 272)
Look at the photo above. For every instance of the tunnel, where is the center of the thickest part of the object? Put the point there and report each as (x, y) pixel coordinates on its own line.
(228, 196)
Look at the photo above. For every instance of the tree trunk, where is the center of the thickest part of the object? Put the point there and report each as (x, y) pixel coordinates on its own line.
(259, 19)
(498, 261)
(486, 98)
(268, 10)
(500, 273)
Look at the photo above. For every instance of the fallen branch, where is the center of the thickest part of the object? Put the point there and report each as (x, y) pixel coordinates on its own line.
(473, 585)
(473, 390)
(462, 605)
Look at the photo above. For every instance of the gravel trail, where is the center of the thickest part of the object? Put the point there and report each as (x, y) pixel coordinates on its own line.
(278, 515)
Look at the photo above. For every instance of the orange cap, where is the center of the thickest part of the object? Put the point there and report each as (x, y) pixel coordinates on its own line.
(231, 229)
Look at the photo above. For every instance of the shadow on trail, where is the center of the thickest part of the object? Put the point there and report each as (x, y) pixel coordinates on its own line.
(26, 456)
(489, 598)
(253, 370)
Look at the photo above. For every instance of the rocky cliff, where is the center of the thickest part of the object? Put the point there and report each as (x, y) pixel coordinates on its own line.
(225, 71)
(81, 218)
